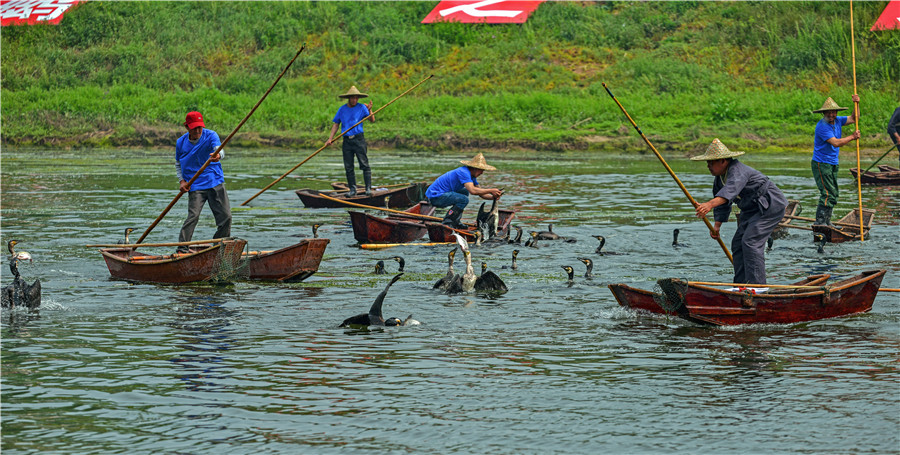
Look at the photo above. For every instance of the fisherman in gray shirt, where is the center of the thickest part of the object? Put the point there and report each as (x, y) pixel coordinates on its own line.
(762, 207)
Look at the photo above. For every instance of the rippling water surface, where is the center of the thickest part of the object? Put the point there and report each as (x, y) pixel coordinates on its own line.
(109, 366)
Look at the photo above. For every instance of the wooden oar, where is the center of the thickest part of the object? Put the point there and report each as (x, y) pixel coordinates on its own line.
(879, 159)
(862, 238)
(837, 223)
(193, 242)
(209, 160)
(333, 139)
(380, 246)
(383, 209)
(671, 172)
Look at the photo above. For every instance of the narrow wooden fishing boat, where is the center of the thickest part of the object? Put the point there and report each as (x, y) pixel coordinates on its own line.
(393, 197)
(438, 232)
(847, 228)
(289, 264)
(655, 302)
(214, 262)
(888, 175)
(395, 228)
(793, 209)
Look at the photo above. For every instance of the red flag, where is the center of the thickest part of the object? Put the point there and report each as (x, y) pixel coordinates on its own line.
(22, 12)
(890, 18)
(486, 11)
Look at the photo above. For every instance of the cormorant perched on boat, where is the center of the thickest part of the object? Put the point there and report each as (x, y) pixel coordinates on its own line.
(374, 316)
(518, 239)
(590, 267)
(532, 242)
(571, 273)
(400, 261)
(445, 281)
(819, 240)
(126, 241)
(468, 281)
(379, 268)
(675, 239)
(19, 292)
(599, 249)
(315, 228)
(514, 266)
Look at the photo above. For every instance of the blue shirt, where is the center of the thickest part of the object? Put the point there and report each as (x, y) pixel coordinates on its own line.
(823, 152)
(453, 181)
(348, 116)
(192, 156)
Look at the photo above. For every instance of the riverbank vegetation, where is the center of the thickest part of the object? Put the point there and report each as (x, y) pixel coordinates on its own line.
(124, 74)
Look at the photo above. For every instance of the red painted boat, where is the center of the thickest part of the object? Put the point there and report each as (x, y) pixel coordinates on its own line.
(710, 305)
(395, 228)
(289, 265)
(888, 176)
(847, 228)
(653, 302)
(438, 232)
(215, 262)
(392, 197)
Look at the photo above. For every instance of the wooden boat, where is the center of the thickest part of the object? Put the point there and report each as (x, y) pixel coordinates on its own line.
(888, 175)
(793, 209)
(290, 264)
(653, 302)
(847, 228)
(395, 228)
(438, 232)
(215, 262)
(397, 197)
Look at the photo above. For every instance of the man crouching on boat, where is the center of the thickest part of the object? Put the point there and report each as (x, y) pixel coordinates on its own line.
(762, 207)
(454, 187)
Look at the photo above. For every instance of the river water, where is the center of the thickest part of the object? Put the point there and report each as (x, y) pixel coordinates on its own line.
(110, 366)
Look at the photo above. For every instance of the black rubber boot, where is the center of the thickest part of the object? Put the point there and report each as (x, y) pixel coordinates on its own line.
(820, 216)
(367, 177)
(453, 218)
(827, 216)
(351, 183)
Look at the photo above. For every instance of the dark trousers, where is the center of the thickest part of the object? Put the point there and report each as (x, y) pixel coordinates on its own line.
(826, 180)
(749, 242)
(356, 147)
(221, 209)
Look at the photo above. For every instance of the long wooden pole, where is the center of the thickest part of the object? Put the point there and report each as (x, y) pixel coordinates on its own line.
(381, 246)
(372, 207)
(333, 139)
(209, 160)
(671, 172)
(856, 116)
(135, 245)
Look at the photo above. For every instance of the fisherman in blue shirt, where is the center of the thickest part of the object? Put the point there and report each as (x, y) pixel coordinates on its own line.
(454, 187)
(826, 148)
(192, 150)
(354, 144)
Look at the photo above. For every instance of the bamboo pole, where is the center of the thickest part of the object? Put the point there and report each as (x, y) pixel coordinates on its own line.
(856, 115)
(381, 246)
(209, 160)
(383, 209)
(333, 139)
(135, 245)
(671, 172)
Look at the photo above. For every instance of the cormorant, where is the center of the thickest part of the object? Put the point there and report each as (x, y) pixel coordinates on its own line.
(590, 267)
(489, 281)
(391, 322)
(379, 268)
(400, 261)
(548, 234)
(675, 239)
(599, 249)
(770, 243)
(468, 281)
(126, 241)
(571, 272)
(315, 228)
(514, 266)
(19, 292)
(445, 281)
(819, 240)
(532, 242)
(374, 316)
(518, 239)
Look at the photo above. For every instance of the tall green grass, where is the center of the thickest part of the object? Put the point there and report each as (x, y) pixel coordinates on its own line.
(124, 73)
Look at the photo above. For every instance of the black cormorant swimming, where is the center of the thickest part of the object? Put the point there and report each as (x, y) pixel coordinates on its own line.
(599, 249)
(19, 292)
(518, 238)
(374, 316)
(400, 261)
(532, 242)
(590, 267)
(675, 242)
(571, 272)
(126, 241)
(819, 240)
(379, 268)
(315, 229)
(514, 265)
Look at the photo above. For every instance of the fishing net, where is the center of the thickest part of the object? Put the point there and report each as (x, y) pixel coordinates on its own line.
(669, 294)
(229, 263)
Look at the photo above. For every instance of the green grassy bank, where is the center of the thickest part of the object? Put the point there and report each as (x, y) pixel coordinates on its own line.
(125, 73)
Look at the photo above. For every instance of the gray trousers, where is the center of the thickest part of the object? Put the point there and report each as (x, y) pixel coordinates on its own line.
(749, 242)
(221, 209)
(356, 147)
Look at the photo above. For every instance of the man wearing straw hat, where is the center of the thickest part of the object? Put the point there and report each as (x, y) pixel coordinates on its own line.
(354, 144)
(762, 207)
(454, 187)
(826, 149)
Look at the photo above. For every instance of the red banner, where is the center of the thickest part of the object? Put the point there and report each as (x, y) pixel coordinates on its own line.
(890, 18)
(22, 12)
(486, 11)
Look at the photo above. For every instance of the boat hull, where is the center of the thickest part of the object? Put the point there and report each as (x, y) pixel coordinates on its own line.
(840, 233)
(888, 176)
(401, 197)
(290, 264)
(215, 263)
(438, 232)
(392, 229)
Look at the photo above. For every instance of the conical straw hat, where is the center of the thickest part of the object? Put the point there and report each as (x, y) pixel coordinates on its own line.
(830, 105)
(478, 163)
(716, 151)
(353, 92)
